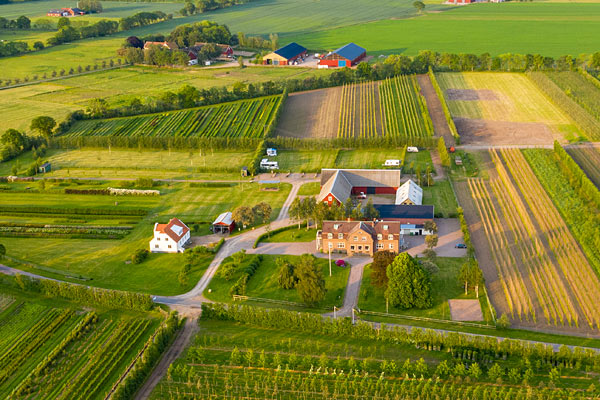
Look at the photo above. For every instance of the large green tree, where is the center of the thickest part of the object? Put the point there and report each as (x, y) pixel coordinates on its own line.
(310, 284)
(381, 260)
(243, 215)
(409, 285)
(44, 125)
(14, 138)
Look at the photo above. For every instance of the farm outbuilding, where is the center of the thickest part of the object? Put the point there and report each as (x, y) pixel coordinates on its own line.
(409, 194)
(224, 223)
(345, 56)
(287, 55)
(337, 185)
(44, 168)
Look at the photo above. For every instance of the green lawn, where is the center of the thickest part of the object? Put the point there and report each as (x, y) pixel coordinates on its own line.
(475, 29)
(305, 160)
(292, 235)
(441, 196)
(264, 283)
(366, 158)
(104, 261)
(444, 286)
(310, 189)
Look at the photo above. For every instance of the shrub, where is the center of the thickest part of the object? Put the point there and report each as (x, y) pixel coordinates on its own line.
(139, 256)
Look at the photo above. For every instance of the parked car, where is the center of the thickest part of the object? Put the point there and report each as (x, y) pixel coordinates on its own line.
(460, 246)
(362, 195)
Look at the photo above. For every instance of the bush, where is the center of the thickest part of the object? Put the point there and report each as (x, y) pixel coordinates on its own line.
(139, 256)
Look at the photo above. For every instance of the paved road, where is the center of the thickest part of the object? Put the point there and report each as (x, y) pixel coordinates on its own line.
(357, 266)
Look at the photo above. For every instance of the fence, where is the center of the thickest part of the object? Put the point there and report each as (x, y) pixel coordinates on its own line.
(272, 301)
(425, 319)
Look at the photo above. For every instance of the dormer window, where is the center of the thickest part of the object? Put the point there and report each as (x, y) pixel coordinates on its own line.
(336, 226)
(340, 235)
(379, 236)
(390, 237)
(330, 236)
(385, 227)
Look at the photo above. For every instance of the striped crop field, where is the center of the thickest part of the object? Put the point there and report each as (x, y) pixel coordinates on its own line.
(545, 276)
(392, 107)
(58, 353)
(588, 158)
(246, 118)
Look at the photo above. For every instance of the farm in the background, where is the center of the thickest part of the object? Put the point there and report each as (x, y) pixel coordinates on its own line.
(247, 118)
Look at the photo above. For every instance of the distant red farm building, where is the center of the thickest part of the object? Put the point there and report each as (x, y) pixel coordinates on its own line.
(65, 12)
(345, 56)
(337, 185)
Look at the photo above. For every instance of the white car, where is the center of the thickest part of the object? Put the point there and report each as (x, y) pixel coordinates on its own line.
(412, 149)
(362, 195)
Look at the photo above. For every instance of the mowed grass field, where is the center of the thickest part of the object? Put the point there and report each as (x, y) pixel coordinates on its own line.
(111, 9)
(475, 29)
(104, 262)
(119, 86)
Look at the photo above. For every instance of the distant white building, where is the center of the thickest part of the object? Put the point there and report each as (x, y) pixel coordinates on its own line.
(409, 194)
(170, 238)
(272, 152)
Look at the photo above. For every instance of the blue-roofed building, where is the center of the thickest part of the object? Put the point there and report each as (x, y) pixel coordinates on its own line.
(289, 54)
(345, 56)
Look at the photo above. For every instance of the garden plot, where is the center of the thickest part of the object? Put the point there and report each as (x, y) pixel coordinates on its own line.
(501, 108)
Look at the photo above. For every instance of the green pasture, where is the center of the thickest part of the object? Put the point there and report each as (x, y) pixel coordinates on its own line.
(264, 283)
(105, 262)
(477, 28)
(366, 158)
(117, 86)
(305, 160)
(30, 37)
(444, 286)
(111, 9)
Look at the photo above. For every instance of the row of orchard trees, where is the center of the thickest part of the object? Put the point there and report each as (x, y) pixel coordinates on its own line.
(577, 358)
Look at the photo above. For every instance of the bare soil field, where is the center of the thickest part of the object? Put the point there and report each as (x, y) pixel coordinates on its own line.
(484, 132)
(436, 112)
(491, 108)
(465, 310)
(312, 114)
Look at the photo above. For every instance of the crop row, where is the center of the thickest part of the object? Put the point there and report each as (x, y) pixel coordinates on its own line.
(588, 159)
(404, 109)
(79, 232)
(19, 318)
(577, 271)
(247, 118)
(358, 111)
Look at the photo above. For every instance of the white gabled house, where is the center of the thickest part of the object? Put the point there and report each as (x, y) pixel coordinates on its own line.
(409, 194)
(170, 238)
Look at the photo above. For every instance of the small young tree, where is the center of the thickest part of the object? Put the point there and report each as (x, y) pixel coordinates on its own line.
(419, 5)
(430, 226)
(370, 212)
(2, 251)
(240, 61)
(431, 241)
(287, 277)
(503, 322)
(295, 211)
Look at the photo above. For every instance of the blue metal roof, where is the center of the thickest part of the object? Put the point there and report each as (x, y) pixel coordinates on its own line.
(290, 50)
(350, 51)
(393, 211)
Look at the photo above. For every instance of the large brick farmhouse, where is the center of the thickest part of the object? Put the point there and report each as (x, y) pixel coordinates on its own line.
(338, 184)
(345, 56)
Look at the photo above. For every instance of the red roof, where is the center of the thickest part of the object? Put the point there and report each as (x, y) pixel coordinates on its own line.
(171, 230)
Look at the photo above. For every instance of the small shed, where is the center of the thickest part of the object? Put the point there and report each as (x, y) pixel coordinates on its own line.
(44, 168)
(223, 224)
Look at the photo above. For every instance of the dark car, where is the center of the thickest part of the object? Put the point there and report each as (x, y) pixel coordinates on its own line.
(460, 246)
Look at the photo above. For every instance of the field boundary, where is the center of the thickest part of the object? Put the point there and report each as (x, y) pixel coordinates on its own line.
(425, 319)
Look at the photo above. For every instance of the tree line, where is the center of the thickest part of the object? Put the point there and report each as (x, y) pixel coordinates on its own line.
(201, 6)
(90, 295)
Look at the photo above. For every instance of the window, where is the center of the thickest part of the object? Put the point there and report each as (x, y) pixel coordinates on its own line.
(341, 245)
(352, 247)
(385, 227)
(380, 246)
(356, 238)
(391, 246)
(169, 246)
(367, 248)
(379, 236)
(331, 245)
(156, 246)
(340, 235)
(330, 236)
(359, 248)
(336, 226)
(157, 238)
(330, 198)
(364, 239)
(390, 237)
